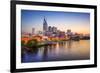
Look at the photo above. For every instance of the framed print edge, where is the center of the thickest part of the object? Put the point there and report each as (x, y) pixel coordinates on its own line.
(13, 36)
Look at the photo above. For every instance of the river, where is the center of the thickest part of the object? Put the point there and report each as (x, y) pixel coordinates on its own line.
(62, 51)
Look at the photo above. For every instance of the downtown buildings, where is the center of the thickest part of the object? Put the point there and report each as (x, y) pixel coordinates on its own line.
(52, 33)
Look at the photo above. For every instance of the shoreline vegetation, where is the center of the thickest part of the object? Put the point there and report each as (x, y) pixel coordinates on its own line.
(34, 44)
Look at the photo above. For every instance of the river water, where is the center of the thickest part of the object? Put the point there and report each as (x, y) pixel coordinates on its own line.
(62, 51)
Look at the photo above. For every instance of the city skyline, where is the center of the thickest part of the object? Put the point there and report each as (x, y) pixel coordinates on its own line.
(77, 22)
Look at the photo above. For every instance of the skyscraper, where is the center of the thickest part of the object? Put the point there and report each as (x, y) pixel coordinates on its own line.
(33, 31)
(49, 28)
(45, 25)
(54, 29)
(69, 33)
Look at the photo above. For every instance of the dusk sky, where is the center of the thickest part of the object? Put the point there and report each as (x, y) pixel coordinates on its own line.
(77, 22)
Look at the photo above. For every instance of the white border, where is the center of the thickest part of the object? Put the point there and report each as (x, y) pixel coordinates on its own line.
(20, 65)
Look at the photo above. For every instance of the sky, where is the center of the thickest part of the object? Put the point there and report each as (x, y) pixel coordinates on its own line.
(76, 21)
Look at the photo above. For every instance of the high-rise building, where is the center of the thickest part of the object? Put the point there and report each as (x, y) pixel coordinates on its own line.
(45, 25)
(69, 33)
(33, 31)
(54, 29)
(50, 29)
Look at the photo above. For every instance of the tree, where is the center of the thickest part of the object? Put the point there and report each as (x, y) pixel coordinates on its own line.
(32, 43)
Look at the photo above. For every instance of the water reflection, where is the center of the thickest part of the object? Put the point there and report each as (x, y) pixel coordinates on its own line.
(67, 50)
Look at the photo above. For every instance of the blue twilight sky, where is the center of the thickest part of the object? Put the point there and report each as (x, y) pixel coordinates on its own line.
(77, 22)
